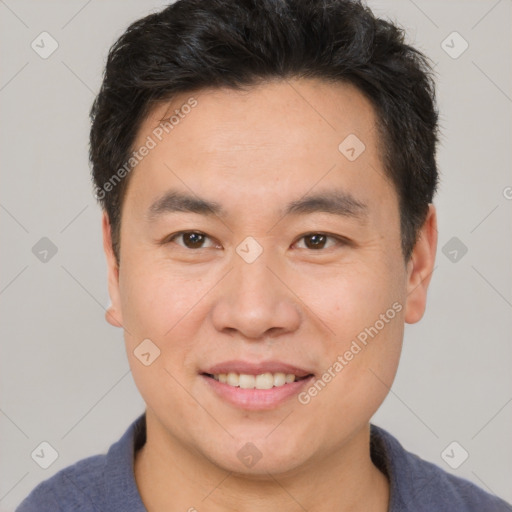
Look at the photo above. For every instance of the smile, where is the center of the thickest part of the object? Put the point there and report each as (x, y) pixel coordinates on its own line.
(252, 385)
(262, 381)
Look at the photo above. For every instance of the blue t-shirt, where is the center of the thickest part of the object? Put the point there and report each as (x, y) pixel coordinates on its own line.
(106, 483)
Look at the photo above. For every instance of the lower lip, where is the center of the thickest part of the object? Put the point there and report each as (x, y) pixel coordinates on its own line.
(256, 399)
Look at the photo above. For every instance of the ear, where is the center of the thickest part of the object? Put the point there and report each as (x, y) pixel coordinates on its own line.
(113, 315)
(420, 268)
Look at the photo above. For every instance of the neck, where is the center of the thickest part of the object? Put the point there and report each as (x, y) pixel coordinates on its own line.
(174, 477)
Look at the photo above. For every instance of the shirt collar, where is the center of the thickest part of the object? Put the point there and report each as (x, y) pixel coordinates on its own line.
(121, 488)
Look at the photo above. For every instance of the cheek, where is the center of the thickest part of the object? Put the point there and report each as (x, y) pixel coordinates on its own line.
(365, 310)
(169, 307)
(159, 306)
(155, 301)
(353, 298)
(357, 374)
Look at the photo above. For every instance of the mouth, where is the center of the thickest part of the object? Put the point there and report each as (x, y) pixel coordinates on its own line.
(266, 380)
(256, 386)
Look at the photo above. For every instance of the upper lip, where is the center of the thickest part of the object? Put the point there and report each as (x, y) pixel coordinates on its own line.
(248, 368)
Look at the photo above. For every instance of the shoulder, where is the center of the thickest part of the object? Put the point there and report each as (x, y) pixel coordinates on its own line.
(416, 484)
(78, 487)
(99, 483)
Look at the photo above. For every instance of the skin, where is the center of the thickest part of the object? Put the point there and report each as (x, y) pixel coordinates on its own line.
(253, 152)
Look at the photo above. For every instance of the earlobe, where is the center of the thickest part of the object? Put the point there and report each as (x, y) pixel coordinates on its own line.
(113, 314)
(420, 268)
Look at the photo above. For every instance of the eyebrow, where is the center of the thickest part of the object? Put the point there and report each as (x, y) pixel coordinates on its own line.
(335, 202)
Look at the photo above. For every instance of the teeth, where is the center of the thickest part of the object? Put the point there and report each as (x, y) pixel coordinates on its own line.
(232, 379)
(246, 381)
(262, 381)
(280, 379)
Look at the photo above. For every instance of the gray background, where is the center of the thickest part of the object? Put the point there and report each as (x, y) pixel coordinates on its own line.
(64, 373)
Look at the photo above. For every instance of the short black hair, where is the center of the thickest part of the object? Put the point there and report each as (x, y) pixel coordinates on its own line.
(197, 44)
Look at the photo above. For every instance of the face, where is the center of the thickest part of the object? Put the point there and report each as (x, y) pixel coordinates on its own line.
(294, 267)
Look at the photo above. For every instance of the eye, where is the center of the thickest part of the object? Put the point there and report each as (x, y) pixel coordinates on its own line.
(317, 241)
(196, 240)
(191, 239)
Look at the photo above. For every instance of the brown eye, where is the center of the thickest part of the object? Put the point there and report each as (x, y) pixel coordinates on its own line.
(315, 241)
(191, 239)
(318, 241)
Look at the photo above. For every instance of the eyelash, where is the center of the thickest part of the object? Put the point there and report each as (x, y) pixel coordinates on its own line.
(338, 239)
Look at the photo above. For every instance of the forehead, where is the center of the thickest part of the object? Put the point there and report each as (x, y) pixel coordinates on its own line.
(226, 119)
(282, 138)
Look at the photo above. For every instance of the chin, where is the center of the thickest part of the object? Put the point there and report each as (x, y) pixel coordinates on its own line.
(256, 453)
(281, 465)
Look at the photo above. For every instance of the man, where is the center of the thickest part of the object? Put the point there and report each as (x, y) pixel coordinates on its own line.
(266, 171)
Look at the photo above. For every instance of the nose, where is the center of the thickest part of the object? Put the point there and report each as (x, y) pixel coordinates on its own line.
(256, 303)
